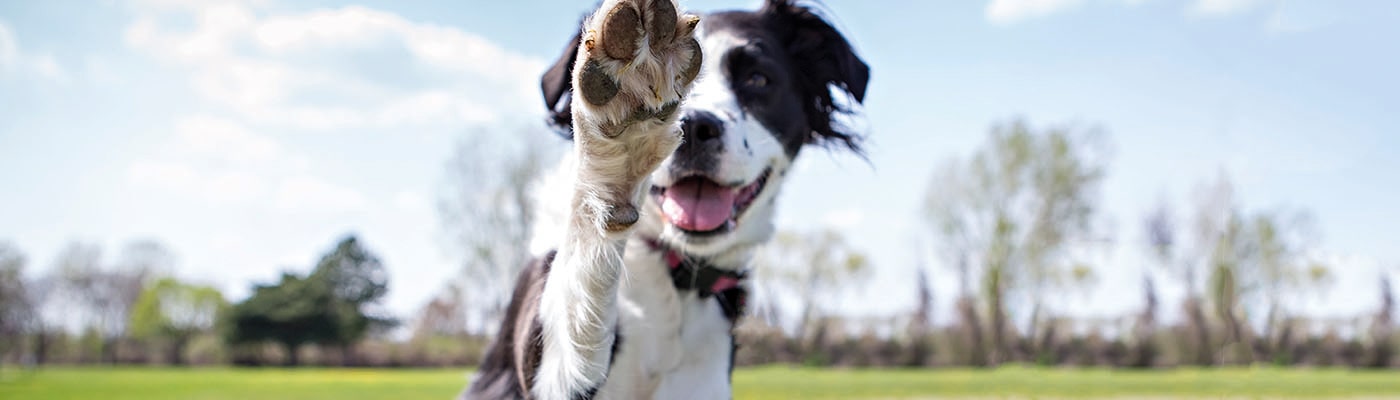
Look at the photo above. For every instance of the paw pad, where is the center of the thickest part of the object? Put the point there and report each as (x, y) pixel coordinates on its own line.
(621, 32)
(663, 23)
(597, 86)
(621, 217)
(692, 70)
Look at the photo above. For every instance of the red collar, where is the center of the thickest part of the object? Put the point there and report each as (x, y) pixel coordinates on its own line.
(695, 273)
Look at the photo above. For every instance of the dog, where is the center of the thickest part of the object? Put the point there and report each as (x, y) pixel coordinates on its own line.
(684, 129)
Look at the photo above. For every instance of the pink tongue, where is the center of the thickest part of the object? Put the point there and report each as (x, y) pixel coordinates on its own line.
(697, 205)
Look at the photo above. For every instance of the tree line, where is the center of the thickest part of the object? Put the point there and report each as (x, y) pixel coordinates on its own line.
(86, 310)
(1017, 225)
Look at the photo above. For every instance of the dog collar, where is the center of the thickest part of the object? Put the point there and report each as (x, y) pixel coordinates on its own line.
(695, 273)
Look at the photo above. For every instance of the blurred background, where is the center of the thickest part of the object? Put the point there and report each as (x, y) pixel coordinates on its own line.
(1117, 183)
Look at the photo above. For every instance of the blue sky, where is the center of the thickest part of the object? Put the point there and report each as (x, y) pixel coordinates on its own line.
(249, 135)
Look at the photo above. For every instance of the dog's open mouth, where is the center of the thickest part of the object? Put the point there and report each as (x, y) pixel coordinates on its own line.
(698, 205)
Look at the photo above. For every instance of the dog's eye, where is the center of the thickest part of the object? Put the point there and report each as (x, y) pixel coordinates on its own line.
(756, 81)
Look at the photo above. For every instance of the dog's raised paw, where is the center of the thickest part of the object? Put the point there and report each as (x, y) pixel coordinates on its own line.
(636, 63)
(639, 56)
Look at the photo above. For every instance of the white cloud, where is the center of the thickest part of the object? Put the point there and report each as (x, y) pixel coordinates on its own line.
(1008, 12)
(300, 193)
(217, 187)
(187, 5)
(844, 219)
(260, 75)
(221, 162)
(1013, 11)
(350, 67)
(1221, 8)
(9, 50)
(264, 83)
(14, 60)
(411, 201)
(1302, 17)
(223, 140)
(161, 174)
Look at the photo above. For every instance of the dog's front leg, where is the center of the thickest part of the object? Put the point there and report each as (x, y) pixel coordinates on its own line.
(634, 67)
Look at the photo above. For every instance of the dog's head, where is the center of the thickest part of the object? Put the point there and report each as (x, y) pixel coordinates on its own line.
(765, 91)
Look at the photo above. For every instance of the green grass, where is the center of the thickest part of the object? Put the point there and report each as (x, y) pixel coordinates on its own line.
(1024, 382)
(755, 383)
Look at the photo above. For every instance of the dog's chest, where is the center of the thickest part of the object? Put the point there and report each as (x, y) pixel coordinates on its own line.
(675, 345)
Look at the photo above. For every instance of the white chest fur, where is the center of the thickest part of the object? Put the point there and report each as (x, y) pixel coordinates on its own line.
(675, 345)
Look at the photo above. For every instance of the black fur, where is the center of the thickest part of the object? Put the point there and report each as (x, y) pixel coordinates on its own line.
(795, 55)
(509, 367)
(557, 87)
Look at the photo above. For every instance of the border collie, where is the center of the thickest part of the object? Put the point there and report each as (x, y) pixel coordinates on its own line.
(683, 128)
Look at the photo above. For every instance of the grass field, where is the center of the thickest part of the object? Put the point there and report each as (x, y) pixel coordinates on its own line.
(754, 383)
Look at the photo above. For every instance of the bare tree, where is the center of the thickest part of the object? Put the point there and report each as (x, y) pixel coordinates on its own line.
(104, 296)
(953, 216)
(816, 269)
(15, 308)
(923, 309)
(1251, 261)
(1145, 326)
(445, 315)
(1219, 247)
(1280, 268)
(39, 294)
(1015, 211)
(140, 264)
(1161, 230)
(77, 298)
(1382, 329)
(487, 212)
(922, 322)
(1226, 288)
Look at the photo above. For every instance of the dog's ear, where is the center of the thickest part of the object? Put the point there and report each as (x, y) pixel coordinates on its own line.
(557, 85)
(823, 58)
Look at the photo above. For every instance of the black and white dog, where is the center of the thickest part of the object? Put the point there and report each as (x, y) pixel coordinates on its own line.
(683, 129)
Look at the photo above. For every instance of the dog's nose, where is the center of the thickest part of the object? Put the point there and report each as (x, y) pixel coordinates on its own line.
(701, 126)
(701, 147)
